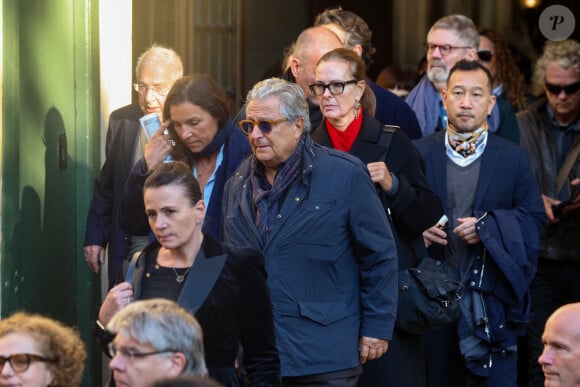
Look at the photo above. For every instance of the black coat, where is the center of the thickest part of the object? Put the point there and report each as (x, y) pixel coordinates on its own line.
(103, 218)
(414, 208)
(227, 294)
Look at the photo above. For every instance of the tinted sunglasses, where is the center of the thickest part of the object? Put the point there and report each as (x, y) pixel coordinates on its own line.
(265, 126)
(485, 55)
(568, 89)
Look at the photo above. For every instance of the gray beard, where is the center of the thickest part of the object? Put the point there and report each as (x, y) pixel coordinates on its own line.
(435, 76)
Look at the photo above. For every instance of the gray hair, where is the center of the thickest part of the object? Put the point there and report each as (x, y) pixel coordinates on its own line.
(160, 56)
(164, 325)
(566, 54)
(462, 26)
(293, 103)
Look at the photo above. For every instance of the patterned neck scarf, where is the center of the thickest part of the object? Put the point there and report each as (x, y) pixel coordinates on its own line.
(464, 148)
(268, 200)
(466, 143)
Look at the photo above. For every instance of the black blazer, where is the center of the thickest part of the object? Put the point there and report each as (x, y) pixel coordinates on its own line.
(226, 291)
(415, 207)
(103, 217)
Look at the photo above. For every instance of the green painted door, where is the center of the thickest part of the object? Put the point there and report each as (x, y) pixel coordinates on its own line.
(50, 146)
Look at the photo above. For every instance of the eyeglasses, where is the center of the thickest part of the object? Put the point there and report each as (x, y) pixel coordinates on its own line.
(265, 126)
(485, 55)
(568, 89)
(334, 87)
(131, 355)
(21, 361)
(444, 49)
(142, 88)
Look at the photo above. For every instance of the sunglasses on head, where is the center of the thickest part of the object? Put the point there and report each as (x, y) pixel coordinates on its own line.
(265, 126)
(485, 55)
(568, 89)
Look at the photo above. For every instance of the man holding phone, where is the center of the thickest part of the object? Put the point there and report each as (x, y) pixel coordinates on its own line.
(550, 131)
(156, 71)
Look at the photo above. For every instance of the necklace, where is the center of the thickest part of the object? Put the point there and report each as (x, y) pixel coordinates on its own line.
(180, 277)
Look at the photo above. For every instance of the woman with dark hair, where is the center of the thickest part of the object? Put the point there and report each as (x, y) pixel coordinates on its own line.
(224, 289)
(197, 130)
(401, 184)
(36, 351)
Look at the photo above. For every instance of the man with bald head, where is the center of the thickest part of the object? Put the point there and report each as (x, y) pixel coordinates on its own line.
(560, 359)
(310, 46)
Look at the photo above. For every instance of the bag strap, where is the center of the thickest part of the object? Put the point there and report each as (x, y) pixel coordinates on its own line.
(567, 166)
(386, 136)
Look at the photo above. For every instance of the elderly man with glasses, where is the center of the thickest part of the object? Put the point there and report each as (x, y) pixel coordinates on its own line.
(156, 71)
(550, 131)
(153, 340)
(451, 39)
(328, 248)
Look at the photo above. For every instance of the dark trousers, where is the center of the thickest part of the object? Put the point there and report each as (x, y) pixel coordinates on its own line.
(344, 378)
(556, 284)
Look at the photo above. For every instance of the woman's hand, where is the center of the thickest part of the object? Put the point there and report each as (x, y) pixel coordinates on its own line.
(116, 299)
(159, 147)
(381, 175)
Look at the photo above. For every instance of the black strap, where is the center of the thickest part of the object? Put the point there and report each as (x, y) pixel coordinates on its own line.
(386, 136)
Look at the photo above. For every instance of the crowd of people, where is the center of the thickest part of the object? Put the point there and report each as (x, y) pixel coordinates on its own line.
(264, 249)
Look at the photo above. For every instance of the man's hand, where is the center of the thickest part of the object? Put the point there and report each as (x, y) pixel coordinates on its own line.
(575, 205)
(371, 349)
(381, 175)
(95, 257)
(435, 234)
(466, 230)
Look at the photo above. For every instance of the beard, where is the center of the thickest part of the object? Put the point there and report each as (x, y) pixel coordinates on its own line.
(438, 74)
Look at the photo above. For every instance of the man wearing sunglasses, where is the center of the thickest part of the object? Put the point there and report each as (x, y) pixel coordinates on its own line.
(328, 248)
(550, 131)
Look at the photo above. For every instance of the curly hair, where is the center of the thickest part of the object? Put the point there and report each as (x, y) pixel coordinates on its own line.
(55, 341)
(565, 53)
(507, 72)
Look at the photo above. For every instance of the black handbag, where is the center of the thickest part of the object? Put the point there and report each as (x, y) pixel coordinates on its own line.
(429, 296)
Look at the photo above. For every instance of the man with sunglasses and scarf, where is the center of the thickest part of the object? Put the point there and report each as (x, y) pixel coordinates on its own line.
(328, 248)
(550, 131)
(495, 217)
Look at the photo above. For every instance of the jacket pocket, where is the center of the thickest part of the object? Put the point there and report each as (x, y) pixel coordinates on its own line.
(324, 313)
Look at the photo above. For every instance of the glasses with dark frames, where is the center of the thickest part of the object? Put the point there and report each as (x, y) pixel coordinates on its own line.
(485, 55)
(265, 126)
(21, 361)
(132, 354)
(335, 88)
(568, 89)
(444, 49)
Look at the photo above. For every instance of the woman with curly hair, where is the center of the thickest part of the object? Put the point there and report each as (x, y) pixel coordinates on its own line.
(508, 81)
(36, 351)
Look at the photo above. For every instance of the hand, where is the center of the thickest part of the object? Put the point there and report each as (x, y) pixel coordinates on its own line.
(466, 230)
(435, 234)
(381, 175)
(117, 298)
(371, 349)
(548, 203)
(158, 147)
(576, 202)
(95, 257)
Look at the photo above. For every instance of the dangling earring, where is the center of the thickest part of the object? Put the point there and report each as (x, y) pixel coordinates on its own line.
(357, 109)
